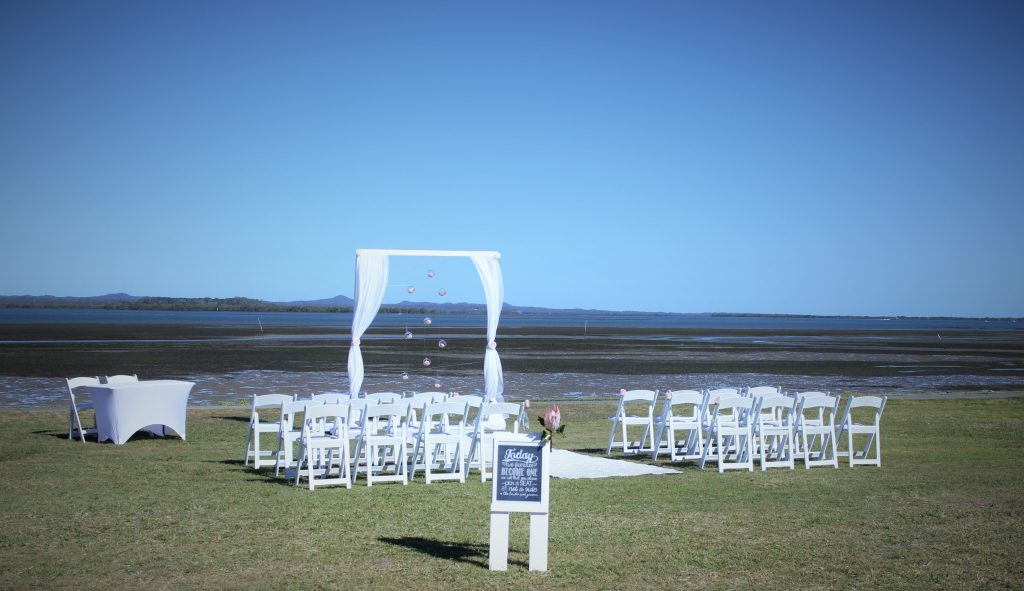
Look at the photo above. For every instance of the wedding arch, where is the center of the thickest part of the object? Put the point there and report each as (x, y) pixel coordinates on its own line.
(372, 280)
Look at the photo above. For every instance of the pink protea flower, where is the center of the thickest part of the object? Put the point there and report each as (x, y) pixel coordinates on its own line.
(622, 392)
(526, 403)
(552, 417)
(668, 395)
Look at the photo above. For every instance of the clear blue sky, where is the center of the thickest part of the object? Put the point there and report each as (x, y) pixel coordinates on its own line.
(783, 157)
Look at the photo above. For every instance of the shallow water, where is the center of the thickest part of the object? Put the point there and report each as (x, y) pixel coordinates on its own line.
(238, 387)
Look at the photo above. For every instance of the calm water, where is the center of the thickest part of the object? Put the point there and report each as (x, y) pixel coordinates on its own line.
(343, 321)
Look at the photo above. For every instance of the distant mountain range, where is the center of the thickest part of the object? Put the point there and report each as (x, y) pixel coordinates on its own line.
(341, 303)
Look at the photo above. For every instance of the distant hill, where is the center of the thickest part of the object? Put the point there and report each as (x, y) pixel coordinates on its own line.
(336, 301)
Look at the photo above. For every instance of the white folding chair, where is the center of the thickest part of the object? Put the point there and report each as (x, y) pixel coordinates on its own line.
(775, 431)
(382, 444)
(731, 435)
(442, 442)
(325, 450)
(815, 427)
(384, 397)
(290, 434)
(864, 423)
(814, 418)
(682, 410)
(119, 379)
(75, 408)
(640, 402)
(257, 426)
(492, 418)
(331, 397)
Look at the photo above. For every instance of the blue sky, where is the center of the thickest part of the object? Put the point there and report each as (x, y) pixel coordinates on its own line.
(789, 157)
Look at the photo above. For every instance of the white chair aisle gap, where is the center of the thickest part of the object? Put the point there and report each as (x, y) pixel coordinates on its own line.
(75, 408)
(492, 418)
(681, 410)
(635, 409)
(325, 447)
(263, 402)
(731, 435)
(442, 442)
(815, 427)
(381, 445)
(854, 424)
(775, 431)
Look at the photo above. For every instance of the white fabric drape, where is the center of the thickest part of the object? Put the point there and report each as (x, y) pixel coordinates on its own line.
(371, 281)
(494, 293)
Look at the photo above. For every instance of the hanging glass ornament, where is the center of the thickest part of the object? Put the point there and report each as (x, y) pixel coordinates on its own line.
(442, 292)
(405, 375)
(411, 289)
(430, 273)
(442, 343)
(408, 334)
(437, 385)
(426, 362)
(427, 322)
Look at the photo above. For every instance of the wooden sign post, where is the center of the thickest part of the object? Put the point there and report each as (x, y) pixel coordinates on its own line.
(520, 485)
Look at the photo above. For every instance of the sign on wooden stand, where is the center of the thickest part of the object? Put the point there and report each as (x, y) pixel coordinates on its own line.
(520, 485)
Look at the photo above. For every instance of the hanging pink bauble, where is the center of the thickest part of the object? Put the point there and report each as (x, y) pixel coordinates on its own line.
(427, 322)
(430, 274)
(426, 362)
(408, 334)
(442, 292)
(405, 376)
(442, 343)
(411, 289)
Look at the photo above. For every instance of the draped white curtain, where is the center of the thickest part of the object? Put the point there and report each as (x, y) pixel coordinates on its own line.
(494, 293)
(371, 281)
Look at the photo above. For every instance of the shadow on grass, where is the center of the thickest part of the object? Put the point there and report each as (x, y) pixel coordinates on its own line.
(475, 554)
(234, 418)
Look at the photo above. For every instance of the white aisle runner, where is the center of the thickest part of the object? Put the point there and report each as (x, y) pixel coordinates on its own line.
(568, 464)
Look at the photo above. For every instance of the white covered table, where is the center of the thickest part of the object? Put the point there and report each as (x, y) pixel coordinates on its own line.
(124, 409)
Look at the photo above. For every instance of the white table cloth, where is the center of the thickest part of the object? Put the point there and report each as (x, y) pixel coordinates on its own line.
(124, 409)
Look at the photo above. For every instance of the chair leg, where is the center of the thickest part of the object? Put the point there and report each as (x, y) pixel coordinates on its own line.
(611, 437)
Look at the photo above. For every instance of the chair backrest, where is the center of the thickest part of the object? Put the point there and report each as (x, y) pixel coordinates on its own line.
(491, 413)
(875, 403)
(719, 393)
(384, 397)
(640, 402)
(317, 416)
(331, 397)
(439, 416)
(73, 383)
(119, 379)
(684, 403)
(763, 391)
(290, 411)
(267, 401)
(735, 410)
(393, 415)
(821, 405)
(471, 400)
(778, 409)
(434, 396)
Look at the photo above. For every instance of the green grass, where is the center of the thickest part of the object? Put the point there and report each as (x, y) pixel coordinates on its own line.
(945, 511)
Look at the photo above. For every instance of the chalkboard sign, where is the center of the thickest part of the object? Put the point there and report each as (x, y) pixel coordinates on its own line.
(517, 475)
(520, 475)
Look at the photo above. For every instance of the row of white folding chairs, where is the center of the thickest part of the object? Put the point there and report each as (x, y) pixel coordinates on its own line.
(364, 424)
(392, 441)
(764, 424)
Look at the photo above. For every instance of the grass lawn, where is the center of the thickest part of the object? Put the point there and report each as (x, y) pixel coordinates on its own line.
(945, 511)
